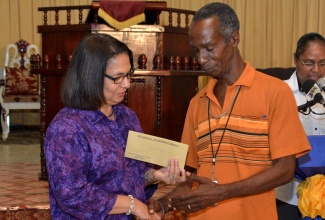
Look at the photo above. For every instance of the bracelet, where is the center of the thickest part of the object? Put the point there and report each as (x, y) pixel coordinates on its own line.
(131, 205)
(162, 208)
(146, 176)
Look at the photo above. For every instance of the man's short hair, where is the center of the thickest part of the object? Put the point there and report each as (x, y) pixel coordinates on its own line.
(228, 19)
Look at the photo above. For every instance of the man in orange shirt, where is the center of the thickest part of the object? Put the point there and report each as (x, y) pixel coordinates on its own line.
(242, 129)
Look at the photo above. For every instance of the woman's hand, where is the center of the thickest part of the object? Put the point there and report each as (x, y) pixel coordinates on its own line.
(131, 205)
(147, 212)
(170, 174)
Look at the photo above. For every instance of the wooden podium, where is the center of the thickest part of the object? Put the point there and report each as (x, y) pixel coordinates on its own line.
(160, 90)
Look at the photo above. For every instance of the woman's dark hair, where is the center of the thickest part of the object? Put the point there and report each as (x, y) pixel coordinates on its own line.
(304, 40)
(84, 83)
(228, 19)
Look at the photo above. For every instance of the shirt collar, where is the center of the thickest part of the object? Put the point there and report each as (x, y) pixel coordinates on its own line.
(246, 78)
(299, 85)
(294, 83)
(94, 116)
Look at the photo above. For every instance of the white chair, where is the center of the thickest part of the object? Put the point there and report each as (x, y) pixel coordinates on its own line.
(18, 88)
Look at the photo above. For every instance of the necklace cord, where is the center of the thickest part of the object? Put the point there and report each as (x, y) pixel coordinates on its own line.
(111, 112)
(214, 155)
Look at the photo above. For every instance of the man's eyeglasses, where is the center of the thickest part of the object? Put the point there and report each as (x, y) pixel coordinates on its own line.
(310, 64)
(119, 79)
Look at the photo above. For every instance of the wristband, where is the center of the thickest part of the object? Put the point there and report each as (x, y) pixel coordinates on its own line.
(131, 205)
(161, 207)
(146, 176)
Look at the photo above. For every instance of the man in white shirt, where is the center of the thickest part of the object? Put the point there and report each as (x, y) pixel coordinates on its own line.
(310, 65)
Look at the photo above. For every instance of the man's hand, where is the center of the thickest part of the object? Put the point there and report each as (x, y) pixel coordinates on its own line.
(209, 193)
(154, 206)
(206, 194)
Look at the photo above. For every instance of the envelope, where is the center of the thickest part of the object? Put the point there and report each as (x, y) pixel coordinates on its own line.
(155, 150)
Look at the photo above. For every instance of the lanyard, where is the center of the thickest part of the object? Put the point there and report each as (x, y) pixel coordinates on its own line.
(214, 155)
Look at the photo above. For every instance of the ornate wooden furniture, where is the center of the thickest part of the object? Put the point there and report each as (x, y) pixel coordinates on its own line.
(18, 88)
(165, 79)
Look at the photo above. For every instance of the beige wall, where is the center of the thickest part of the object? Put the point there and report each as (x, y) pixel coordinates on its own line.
(269, 28)
(19, 20)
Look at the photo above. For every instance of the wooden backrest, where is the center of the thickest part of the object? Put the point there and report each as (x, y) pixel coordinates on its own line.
(279, 72)
(18, 54)
(18, 57)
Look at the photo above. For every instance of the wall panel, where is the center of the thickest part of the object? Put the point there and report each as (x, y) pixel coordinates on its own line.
(269, 28)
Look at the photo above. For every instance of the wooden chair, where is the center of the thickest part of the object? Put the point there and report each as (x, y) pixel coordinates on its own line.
(278, 72)
(18, 88)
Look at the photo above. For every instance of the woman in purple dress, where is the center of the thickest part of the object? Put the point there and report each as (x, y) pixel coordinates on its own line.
(89, 176)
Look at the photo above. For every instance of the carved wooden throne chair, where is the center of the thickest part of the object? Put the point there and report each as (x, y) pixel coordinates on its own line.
(18, 88)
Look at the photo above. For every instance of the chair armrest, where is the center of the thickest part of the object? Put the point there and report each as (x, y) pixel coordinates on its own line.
(2, 91)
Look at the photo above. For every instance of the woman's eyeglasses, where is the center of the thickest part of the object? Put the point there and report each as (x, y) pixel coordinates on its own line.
(310, 64)
(119, 79)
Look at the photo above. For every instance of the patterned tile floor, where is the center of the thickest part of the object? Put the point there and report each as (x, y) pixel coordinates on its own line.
(20, 187)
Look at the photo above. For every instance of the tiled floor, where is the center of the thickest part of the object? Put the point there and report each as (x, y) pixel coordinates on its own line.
(20, 187)
(19, 184)
(19, 169)
(11, 154)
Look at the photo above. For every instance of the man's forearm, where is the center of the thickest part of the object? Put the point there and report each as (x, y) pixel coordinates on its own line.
(281, 173)
(208, 193)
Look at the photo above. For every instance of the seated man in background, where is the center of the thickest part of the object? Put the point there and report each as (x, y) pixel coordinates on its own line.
(310, 65)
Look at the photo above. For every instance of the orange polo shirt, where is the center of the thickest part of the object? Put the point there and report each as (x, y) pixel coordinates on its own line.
(264, 125)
